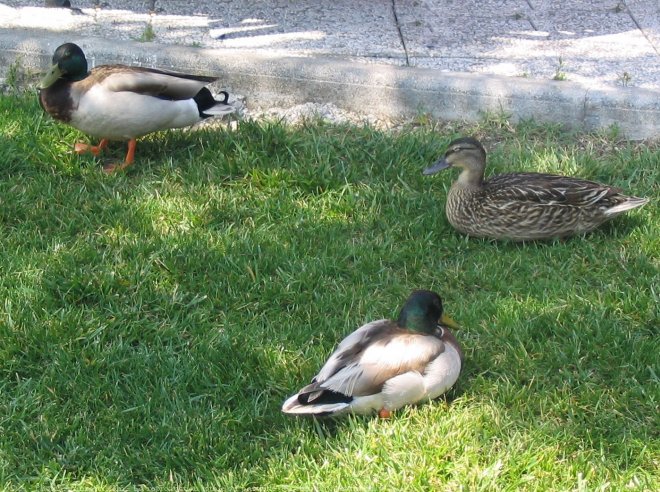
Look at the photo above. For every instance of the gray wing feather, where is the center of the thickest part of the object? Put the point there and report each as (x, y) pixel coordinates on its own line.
(152, 82)
(390, 352)
(350, 347)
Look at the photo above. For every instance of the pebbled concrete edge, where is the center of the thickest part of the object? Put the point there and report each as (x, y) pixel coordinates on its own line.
(384, 91)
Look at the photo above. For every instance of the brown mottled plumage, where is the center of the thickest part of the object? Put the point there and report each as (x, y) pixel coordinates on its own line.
(524, 206)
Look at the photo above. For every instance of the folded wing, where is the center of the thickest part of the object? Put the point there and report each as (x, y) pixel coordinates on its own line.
(150, 81)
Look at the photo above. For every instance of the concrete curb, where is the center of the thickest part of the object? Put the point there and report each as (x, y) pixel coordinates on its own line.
(383, 91)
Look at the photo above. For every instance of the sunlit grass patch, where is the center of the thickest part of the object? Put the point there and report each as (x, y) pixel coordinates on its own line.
(153, 321)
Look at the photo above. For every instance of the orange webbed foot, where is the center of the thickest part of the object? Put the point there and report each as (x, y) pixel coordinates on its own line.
(115, 166)
(384, 413)
(130, 157)
(83, 148)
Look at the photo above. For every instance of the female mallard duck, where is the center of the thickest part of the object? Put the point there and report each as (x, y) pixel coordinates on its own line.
(118, 102)
(524, 206)
(386, 364)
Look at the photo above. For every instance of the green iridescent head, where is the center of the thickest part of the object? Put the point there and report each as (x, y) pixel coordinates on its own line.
(423, 312)
(69, 63)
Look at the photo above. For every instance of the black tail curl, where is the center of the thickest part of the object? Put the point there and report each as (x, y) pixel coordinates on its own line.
(204, 100)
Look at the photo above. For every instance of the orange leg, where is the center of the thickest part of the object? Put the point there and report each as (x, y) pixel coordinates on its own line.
(384, 413)
(130, 157)
(82, 148)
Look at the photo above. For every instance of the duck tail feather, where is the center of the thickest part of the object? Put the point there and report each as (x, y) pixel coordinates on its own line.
(629, 204)
(208, 106)
(331, 404)
(322, 410)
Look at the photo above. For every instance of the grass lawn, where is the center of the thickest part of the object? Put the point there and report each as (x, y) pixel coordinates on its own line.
(152, 322)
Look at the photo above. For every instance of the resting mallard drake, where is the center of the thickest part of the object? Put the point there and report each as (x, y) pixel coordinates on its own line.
(524, 206)
(118, 102)
(386, 364)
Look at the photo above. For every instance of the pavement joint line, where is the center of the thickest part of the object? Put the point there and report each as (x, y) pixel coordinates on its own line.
(529, 19)
(640, 28)
(264, 79)
(401, 37)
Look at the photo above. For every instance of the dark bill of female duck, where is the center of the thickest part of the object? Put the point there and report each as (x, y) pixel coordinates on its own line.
(119, 102)
(386, 364)
(440, 165)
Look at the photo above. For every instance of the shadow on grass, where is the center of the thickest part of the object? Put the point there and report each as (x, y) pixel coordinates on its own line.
(156, 320)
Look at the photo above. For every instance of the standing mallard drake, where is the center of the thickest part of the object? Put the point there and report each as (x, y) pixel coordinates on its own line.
(118, 102)
(386, 364)
(524, 206)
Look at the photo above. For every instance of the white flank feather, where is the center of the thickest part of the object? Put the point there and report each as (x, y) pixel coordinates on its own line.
(403, 389)
(442, 373)
(129, 115)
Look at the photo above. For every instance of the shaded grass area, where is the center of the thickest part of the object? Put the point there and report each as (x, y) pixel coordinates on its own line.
(152, 322)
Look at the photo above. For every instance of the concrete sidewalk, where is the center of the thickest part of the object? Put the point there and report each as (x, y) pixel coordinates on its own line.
(587, 63)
